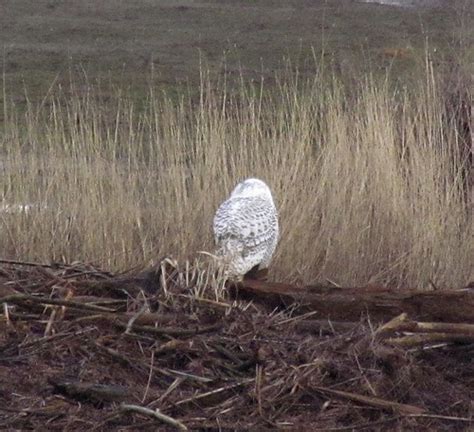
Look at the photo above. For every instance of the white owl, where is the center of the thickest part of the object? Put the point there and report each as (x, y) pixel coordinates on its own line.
(246, 228)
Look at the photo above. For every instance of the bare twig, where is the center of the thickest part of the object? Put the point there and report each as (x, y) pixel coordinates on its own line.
(27, 264)
(258, 388)
(25, 298)
(173, 386)
(150, 374)
(155, 414)
(373, 401)
(210, 398)
(6, 312)
(443, 417)
(135, 317)
(49, 325)
(171, 331)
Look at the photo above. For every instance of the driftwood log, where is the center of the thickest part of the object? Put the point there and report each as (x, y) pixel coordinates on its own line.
(349, 304)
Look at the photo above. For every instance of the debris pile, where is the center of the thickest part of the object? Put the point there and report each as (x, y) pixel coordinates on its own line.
(82, 349)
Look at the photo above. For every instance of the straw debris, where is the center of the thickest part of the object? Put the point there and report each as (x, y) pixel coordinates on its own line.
(82, 349)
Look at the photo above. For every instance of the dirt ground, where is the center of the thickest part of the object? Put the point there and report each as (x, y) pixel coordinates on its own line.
(81, 349)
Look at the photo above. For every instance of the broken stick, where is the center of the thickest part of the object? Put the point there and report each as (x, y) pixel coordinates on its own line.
(403, 409)
(155, 414)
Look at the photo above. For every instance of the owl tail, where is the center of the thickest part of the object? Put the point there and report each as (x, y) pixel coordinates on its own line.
(228, 258)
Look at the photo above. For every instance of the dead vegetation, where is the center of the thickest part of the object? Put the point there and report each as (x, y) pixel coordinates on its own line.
(82, 349)
(370, 181)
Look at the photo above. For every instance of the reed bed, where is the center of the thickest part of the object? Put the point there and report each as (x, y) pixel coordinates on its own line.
(369, 180)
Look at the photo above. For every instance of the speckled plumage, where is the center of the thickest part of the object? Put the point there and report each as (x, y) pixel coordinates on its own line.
(246, 228)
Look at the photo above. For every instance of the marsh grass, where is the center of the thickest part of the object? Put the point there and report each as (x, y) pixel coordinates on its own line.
(368, 180)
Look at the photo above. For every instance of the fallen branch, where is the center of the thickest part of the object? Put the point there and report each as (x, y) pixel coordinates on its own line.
(349, 304)
(422, 333)
(429, 338)
(403, 324)
(155, 414)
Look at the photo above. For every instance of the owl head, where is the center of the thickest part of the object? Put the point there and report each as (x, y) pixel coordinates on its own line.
(252, 187)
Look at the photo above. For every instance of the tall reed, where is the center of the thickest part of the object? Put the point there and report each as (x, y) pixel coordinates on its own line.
(367, 179)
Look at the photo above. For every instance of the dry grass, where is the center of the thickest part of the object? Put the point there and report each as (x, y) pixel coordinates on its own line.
(368, 182)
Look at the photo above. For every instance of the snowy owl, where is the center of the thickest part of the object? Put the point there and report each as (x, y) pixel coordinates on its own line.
(246, 228)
